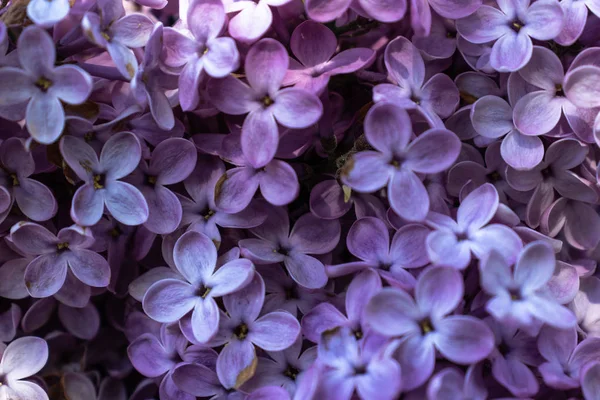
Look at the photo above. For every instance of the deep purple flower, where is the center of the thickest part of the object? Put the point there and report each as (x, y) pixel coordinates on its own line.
(21, 359)
(369, 240)
(118, 33)
(521, 298)
(241, 329)
(435, 98)
(349, 365)
(56, 255)
(266, 104)
(195, 257)
(102, 185)
(397, 160)
(314, 45)
(200, 49)
(331, 200)
(424, 325)
(381, 10)
(171, 162)
(275, 243)
(42, 85)
(512, 26)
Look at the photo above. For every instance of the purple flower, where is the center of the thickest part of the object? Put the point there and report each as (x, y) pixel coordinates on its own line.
(46, 13)
(42, 85)
(421, 16)
(453, 383)
(424, 325)
(553, 174)
(576, 13)
(117, 33)
(511, 26)
(275, 243)
(253, 18)
(381, 10)
(540, 110)
(314, 45)
(331, 200)
(437, 98)
(171, 162)
(55, 255)
(241, 329)
(34, 199)
(325, 316)
(349, 366)
(266, 65)
(564, 357)
(21, 359)
(396, 162)
(492, 118)
(200, 49)
(200, 213)
(195, 258)
(149, 82)
(369, 240)
(452, 242)
(521, 298)
(102, 185)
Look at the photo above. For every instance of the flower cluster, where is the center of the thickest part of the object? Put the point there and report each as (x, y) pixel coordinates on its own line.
(299, 199)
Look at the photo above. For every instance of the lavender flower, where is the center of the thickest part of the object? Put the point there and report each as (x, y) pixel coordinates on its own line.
(21, 359)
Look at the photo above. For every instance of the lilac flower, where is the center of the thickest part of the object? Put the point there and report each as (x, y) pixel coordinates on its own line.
(564, 357)
(78, 386)
(275, 243)
(42, 85)
(435, 99)
(452, 242)
(253, 18)
(171, 162)
(396, 162)
(149, 82)
(492, 118)
(282, 368)
(453, 383)
(266, 65)
(158, 357)
(200, 50)
(117, 33)
(421, 16)
(21, 359)
(522, 298)
(369, 240)
(195, 257)
(511, 26)
(314, 45)
(553, 174)
(47, 13)
(200, 213)
(350, 366)
(102, 185)
(576, 13)
(331, 200)
(579, 222)
(241, 330)
(55, 255)
(34, 199)
(381, 10)
(326, 316)
(586, 307)
(540, 110)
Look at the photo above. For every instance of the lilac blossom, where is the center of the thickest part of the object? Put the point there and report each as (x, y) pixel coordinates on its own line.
(253, 18)
(521, 298)
(274, 243)
(576, 13)
(21, 359)
(452, 242)
(200, 50)
(266, 104)
(314, 46)
(42, 85)
(118, 33)
(55, 255)
(453, 383)
(511, 27)
(435, 98)
(330, 200)
(241, 329)
(398, 160)
(102, 185)
(424, 325)
(47, 13)
(369, 240)
(381, 10)
(195, 257)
